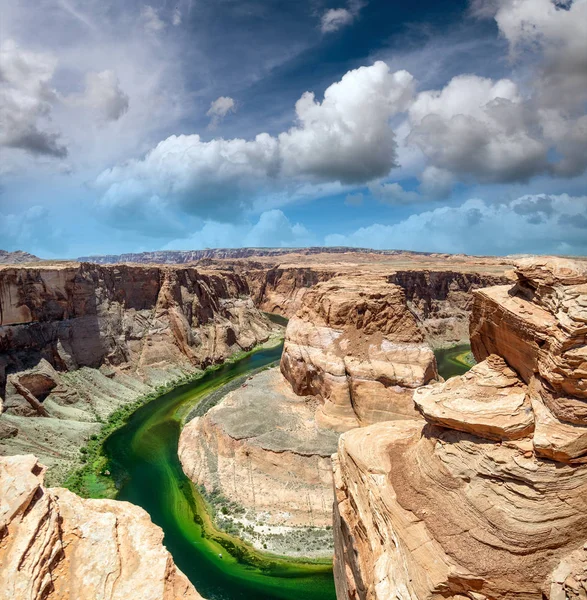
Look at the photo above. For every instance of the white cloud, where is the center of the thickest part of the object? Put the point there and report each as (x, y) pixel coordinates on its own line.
(176, 17)
(345, 138)
(529, 224)
(552, 38)
(152, 22)
(26, 102)
(219, 108)
(273, 229)
(216, 179)
(476, 127)
(336, 18)
(102, 95)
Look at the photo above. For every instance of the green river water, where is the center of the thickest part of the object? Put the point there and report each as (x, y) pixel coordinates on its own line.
(144, 462)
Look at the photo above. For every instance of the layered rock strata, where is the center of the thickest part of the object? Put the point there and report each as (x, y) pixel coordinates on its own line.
(489, 499)
(78, 341)
(356, 346)
(353, 354)
(55, 545)
(262, 449)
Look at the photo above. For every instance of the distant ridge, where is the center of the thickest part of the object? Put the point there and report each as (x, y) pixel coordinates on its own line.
(186, 256)
(16, 257)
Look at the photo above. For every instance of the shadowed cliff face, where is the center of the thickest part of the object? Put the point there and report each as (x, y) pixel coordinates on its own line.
(77, 341)
(488, 500)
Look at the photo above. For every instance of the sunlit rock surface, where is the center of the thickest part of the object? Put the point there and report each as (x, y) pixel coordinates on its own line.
(488, 500)
(57, 546)
(355, 345)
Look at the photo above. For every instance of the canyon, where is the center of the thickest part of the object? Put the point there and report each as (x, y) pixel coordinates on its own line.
(357, 379)
(355, 350)
(78, 341)
(486, 497)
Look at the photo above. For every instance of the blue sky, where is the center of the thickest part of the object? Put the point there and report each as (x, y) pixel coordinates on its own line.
(439, 126)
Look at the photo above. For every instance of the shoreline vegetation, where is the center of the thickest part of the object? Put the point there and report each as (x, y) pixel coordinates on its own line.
(93, 479)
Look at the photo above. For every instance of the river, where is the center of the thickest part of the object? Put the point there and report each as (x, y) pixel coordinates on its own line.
(144, 462)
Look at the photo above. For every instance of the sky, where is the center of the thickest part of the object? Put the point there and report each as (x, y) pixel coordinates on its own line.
(430, 125)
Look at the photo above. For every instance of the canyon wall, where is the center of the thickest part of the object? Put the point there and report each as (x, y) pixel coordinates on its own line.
(356, 346)
(488, 498)
(78, 340)
(57, 546)
(442, 300)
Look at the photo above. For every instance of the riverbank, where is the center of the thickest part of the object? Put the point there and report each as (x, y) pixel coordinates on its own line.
(145, 466)
(93, 478)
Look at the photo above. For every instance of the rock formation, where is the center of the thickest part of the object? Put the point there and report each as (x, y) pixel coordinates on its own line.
(16, 257)
(262, 449)
(78, 341)
(353, 354)
(489, 499)
(356, 346)
(57, 546)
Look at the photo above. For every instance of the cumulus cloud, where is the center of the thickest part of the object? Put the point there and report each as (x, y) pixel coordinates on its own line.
(102, 95)
(26, 102)
(273, 229)
(479, 128)
(529, 224)
(215, 179)
(345, 138)
(219, 108)
(336, 18)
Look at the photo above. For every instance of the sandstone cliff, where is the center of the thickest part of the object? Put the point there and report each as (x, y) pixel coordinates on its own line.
(16, 257)
(489, 499)
(353, 354)
(356, 346)
(57, 546)
(78, 341)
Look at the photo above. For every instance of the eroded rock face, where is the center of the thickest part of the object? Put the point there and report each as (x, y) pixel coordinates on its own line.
(488, 500)
(262, 448)
(356, 346)
(77, 341)
(55, 545)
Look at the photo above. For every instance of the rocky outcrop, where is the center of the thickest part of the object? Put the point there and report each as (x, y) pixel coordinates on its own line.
(356, 346)
(262, 449)
(55, 545)
(78, 341)
(488, 500)
(16, 257)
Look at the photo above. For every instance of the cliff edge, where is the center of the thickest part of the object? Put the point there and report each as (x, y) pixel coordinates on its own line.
(487, 499)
